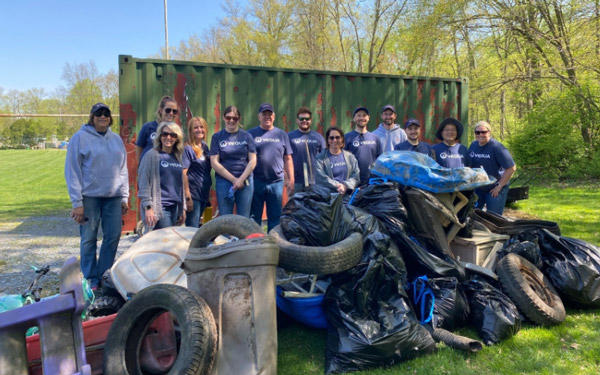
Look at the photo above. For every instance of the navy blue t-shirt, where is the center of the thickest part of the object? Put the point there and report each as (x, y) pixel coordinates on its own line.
(298, 141)
(339, 168)
(493, 157)
(145, 138)
(451, 156)
(198, 172)
(271, 145)
(422, 147)
(171, 183)
(233, 150)
(366, 148)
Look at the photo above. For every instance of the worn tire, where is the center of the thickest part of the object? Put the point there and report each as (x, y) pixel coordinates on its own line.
(319, 260)
(530, 290)
(106, 305)
(233, 225)
(198, 340)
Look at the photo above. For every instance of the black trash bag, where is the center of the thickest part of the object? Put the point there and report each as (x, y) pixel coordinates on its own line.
(450, 306)
(384, 201)
(315, 218)
(465, 215)
(527, 249)
(370, 321)
(492, 312)
(573, 267)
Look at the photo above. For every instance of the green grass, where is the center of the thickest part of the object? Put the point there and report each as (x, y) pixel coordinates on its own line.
(32, 183)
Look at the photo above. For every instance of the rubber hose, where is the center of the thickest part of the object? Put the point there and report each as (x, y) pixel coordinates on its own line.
(456, 341)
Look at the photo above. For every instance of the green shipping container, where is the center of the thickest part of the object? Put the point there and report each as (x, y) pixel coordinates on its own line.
(203, 89)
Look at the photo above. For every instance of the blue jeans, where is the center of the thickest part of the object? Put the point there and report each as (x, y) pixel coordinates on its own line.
(170, 214)
(105, 212)
(192, 218)
(242, 197)
(271, 194)
(495, 205)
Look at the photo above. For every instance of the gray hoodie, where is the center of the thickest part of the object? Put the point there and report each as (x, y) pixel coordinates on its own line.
(96, 166)
(390, 138)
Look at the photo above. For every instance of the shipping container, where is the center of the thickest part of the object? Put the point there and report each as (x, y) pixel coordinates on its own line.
(204, 89)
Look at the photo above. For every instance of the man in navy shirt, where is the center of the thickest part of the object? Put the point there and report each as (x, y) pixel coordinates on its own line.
(306, 144)
(412, 127)
(492, 156)
(388, 131)
(365, 145)
(273, 160)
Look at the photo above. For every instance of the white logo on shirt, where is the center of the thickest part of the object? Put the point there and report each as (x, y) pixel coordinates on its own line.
(445, 155)
(303, 140)
(166, 164)
(480, 156)
(339, 164)
(262, 139)
(357, 143)
(232, 143)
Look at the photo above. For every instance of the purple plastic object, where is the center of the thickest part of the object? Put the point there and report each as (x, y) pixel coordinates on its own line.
(61, 333)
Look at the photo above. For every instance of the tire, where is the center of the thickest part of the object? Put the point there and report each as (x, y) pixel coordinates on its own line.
(530, 290)
(197, 344)
(106, 305)
(233, 225)
(319, 260)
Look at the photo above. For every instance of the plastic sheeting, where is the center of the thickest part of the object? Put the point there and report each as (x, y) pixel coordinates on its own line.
(419, 170)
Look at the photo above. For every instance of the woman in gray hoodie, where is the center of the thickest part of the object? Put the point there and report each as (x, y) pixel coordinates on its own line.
(97, 180)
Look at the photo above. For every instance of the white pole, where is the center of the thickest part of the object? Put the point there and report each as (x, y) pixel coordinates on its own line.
(166, 31)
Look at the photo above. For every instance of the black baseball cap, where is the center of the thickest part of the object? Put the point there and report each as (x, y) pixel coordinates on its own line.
(265, 107)
(360, 109)
(412, 121)
(98, 106)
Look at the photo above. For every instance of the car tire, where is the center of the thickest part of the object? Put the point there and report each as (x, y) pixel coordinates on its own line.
(233, 225)
(197, 345)
(530, 290)
(318, 260)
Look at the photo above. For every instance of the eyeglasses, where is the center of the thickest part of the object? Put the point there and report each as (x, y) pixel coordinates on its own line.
(335, 137)
(479, 132)
(231, 118)
(303, 119)
(167, 134)
(169, 110)
(102, 112)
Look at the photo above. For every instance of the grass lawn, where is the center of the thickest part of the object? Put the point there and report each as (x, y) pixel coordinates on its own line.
(32, 183)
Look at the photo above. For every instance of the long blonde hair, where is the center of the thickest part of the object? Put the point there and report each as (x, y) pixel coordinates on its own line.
(197, 147)
(178, 148)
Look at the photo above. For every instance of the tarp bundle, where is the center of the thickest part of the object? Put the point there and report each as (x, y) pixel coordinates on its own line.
(419, 170)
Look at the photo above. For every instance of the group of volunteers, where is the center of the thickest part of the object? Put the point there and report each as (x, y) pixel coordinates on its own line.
(251, 167)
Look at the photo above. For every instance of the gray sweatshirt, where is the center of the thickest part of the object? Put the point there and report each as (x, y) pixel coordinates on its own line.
(390, 138)
(96, 166)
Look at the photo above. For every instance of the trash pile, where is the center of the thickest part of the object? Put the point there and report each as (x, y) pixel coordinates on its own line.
(412, 285)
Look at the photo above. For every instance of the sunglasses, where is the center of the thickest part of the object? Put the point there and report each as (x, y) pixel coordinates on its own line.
(478, 132)
(303, 119)
(231, 118)
(169, 110)
(102, 112)
(335, 137)
(167, 134)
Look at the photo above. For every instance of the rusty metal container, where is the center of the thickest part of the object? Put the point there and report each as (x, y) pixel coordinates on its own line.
(203, 89)
(237, 280)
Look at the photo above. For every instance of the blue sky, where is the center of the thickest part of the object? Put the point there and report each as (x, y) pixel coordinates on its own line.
(40, 36)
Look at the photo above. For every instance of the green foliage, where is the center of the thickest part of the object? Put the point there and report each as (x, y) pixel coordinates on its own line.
(550, 142)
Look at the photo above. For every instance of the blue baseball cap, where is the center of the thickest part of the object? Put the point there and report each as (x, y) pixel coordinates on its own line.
(265, 107)
(360, 109)
(98, 106)
(412, 121)
(388, 106)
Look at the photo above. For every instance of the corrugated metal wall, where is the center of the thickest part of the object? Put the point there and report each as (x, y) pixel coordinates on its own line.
(205, 90)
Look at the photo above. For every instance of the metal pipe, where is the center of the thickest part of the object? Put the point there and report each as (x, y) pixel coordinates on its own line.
(17, 115)
(166, 31)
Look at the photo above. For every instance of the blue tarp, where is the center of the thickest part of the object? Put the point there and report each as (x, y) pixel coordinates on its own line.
(420, 171)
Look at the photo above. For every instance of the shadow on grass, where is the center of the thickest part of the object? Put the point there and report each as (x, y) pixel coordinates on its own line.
(56, 224)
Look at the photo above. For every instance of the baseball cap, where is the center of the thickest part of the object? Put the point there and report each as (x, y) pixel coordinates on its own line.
(388, 106)
(98, 106)
(411, 121)
(265, 107)
(360, 109)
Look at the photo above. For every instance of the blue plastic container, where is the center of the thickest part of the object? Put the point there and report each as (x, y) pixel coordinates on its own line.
(308, 311)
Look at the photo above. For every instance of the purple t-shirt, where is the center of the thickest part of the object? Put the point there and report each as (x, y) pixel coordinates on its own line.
(339, 169)
(198, 172)
(422, 147)
(171, 183)
(298, 141)
(493, 157)
(271, 145)
(366, 148)
(145, 138)
(451, 156)
(233, 150)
